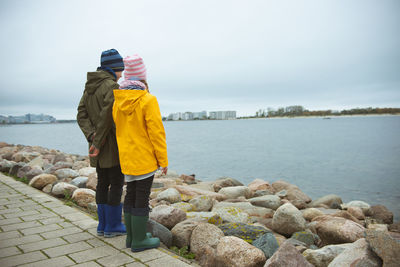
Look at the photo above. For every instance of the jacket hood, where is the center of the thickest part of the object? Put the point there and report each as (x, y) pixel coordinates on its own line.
(128, 100)
(95, 79)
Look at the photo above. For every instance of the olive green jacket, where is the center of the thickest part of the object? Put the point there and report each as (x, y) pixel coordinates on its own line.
(95, 117)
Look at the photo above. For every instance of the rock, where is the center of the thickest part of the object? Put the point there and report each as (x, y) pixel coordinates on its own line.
(188, 192)
(58, 166)
(232, 214)
(294, 194)
(171, 195)
(3, 144)
(395, 227)
(160, 231)
(337, 230)
(210, 217)
(188, 179)
(384, 246)
(267, 243)
(268, 201)
(356, 212)
(204, 234)
(248, 208)
(35, 171)
(167, 215)
(346, 215)
(306, 237)
(258, 184)
(288, 220)
(87, 171)
(84, 196)
(59, 157)
(15, 168)
(77, 165)
(37, 162)
(80, 181)
(182, 232)
(357, 254)
(235, 191)
(5, 165)
(207, 257)
(281, 194)
(233, 251)
(260, 193)
(311, 213)
(323, 256)
(92, 206)
(332, 201)
(202, 203)
(357, 203)
(287, 255)
(25, 157)
(42, 180)
(225, 182)
(378, 227)
(66, 173)
(92, 181)
(381, 214)
(23, 171)
(247, 232)
(62, 189)
(47, 188)
(183, 206)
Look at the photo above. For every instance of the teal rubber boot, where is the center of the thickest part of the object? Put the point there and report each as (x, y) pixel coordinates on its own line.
(128, 221)
(140, 239)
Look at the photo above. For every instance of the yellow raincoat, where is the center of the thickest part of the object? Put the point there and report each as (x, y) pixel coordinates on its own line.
(140, 132)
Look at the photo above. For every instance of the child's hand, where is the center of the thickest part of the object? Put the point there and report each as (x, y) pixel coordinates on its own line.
(93, 151)
(164, 170)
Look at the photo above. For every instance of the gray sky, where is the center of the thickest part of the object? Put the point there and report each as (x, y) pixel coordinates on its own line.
(205, 55)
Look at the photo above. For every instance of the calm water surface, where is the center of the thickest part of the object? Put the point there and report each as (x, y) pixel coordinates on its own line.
(356, 158)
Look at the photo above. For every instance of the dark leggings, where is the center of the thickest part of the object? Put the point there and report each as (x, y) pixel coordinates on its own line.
(109, 185)
(137, 193)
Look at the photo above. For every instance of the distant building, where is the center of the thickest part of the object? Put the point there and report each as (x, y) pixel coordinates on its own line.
(222, 115)
(28, 118)
(200, 115)
(214, 115)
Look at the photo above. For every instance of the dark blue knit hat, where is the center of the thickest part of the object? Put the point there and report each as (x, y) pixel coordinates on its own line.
(112, 59)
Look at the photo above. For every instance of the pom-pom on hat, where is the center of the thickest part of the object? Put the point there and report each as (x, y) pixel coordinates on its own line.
(134, 68)
(112, 59)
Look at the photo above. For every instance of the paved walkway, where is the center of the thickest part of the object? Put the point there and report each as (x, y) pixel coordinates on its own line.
(39, 230)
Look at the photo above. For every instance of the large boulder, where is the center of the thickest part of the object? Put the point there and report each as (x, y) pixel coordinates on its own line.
(293, 194)
(287, 255)
(247, 232)
(357, 203)
(63, 189)
(311, 213)
(202, 203)
(204, 235)
(160, 231)
(231, 214)
(80, 181)
(15, 168)
(77, 165)
(23, 171)
(357, 254)
(248, 208)
(182, 232)
(267, 201)
(84, 196)
(259, 185)
(42, 180)
(381, 214)
(5, 165)
(167, 215)
(24, 156)
(288, 220)
(337, 230)
(189, 192)
(171, 195)
(92, 181)
(387, 248)
(332, 201)
(225, 182)
(35, 171)
(267, 243)
(235, 192)
(233, 251)
(356, 212)
(86, 171)
(210, 217)
(323, 256)
(38, 162)
(186, 207)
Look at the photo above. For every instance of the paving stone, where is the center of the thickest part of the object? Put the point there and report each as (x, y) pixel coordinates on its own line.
(117, 242)
(73, 217)
(10, 211)
(67, 249)
(167, 262)
(116, 260)
(96, 242)
(7, 235)
(42, 244)
(63, 210)
(77, 237)
(21, 204)
(148, 255)
(21, 240)
(10, 221)
(19, 212)
(66, 224)
(88, 264)
(11, 251)
(135, 264)
(57, 220)
(86, 224)
(59, 262)
(53, 204)
(22, 259)
(40, 216)
(41, 229)
(18, 226)
(62, 232)
(93, 254)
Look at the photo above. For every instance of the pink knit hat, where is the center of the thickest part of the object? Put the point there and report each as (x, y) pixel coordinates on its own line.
(134, 68)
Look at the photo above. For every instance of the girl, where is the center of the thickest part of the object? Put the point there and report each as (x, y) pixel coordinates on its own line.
(142, 149)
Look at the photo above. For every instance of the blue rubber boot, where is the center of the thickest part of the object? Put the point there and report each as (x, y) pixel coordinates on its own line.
(114, 226)
(101, 214)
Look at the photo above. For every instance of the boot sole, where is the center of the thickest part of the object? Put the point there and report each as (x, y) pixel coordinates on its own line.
(142, 249)
(113, 234)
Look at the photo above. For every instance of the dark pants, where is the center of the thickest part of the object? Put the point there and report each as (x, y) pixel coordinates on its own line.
(137, 193)
(109, 185)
